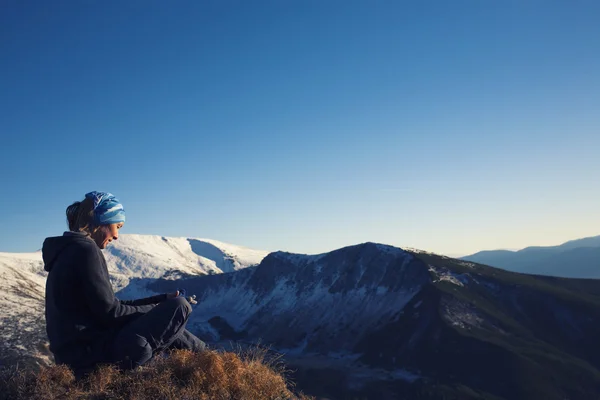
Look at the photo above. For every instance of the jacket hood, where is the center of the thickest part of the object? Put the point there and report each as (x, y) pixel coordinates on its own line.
(53, 246)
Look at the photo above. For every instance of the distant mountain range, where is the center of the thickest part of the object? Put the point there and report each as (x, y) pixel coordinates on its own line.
(574, 259)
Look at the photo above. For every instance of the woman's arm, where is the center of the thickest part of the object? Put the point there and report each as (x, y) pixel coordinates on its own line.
(159, 298)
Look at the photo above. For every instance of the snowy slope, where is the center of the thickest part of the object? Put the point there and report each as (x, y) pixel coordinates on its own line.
(137, 257)
(144, 256)
(22, 331)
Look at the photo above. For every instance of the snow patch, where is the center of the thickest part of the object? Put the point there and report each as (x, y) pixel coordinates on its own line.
(466, 264)
(417, 251)
(461, 314)
(390, 249)
(448, 276)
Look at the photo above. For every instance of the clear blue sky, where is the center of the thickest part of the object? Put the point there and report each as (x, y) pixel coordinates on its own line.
(451, 126)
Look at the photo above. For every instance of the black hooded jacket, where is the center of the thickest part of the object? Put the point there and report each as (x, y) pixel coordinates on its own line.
(82, 312)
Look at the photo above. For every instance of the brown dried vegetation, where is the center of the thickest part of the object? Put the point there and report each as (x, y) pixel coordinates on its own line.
(181, 375)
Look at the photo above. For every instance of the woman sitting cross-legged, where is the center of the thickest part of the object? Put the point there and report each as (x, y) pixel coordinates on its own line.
(86, 324)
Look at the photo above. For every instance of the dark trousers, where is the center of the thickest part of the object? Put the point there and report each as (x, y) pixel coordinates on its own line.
(160, 329)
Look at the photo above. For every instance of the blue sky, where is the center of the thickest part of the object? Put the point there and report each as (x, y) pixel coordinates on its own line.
(305, 125)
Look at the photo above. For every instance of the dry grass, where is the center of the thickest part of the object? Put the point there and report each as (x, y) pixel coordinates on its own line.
(181, 375)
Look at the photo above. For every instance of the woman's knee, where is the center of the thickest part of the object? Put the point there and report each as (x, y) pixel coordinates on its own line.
(180, 303)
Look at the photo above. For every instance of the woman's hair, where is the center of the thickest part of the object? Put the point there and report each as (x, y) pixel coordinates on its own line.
(80, 217)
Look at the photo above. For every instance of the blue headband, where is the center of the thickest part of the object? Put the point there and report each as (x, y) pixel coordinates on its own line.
(107, 208)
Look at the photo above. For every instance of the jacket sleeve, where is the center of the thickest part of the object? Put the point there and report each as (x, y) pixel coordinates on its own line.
(159, 298)
(99, 294)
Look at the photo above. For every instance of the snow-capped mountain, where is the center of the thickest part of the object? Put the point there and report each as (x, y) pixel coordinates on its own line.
(421, 318)
(22, 282)
(297, 302)
(146, 256)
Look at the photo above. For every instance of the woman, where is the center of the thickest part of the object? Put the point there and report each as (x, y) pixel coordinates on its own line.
(86, 324)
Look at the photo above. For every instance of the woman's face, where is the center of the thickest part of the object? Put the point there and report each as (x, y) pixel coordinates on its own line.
(106, 234)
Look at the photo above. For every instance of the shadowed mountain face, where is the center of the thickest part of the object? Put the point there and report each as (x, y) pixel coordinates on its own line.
(574, 259)
(380, 320)
(311, 296)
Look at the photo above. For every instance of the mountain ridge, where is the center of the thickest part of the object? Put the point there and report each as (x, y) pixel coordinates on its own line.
(578, 258)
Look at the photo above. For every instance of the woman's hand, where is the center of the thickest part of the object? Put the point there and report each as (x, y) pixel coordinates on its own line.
(190, 299)
(173, 295)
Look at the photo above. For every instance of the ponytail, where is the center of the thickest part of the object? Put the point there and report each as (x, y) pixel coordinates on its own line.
(72, 215)
(80, 216)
